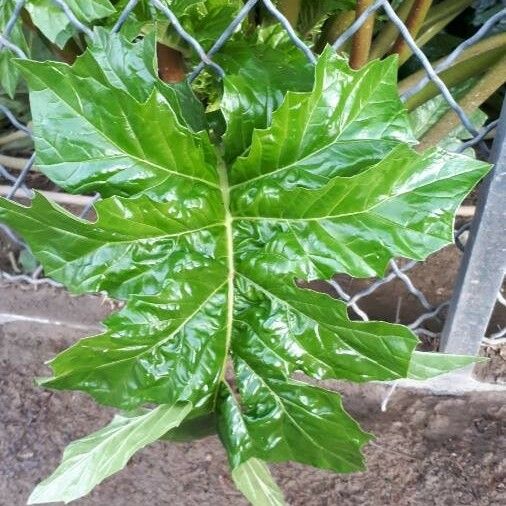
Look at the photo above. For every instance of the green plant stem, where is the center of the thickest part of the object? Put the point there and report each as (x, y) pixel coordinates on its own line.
(389, 32)
(361, 43)
(445, 9)
(414, 22)
(290, 9)
(493, 43)
(225, 192)
(473, 62)
(429, 31)
(333, 27)
(489, 83)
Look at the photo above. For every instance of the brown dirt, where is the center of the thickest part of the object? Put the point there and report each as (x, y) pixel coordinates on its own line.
(430, 450)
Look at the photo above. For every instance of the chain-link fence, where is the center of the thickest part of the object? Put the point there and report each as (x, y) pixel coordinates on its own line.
(480, 241)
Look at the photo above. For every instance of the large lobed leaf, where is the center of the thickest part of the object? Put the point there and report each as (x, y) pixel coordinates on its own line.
(205, 254)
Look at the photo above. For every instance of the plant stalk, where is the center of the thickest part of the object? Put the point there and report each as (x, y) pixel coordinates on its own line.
(489, 83)
(492, 44)
(59, 197)
(12, 136)
(389, 32)
(362, 39)
(333, 27)
(445, 9)
(14, 162)
(429, 31)
(414, 22)
(291, 10)
(472, 63)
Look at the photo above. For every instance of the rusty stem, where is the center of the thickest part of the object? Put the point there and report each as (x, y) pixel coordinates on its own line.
(361, 43)
(414, 22)
(389, 33)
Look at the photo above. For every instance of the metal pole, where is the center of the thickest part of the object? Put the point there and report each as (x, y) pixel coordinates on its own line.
(483, 267)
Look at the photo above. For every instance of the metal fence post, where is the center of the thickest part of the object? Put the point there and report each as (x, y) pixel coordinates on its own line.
(484, 264)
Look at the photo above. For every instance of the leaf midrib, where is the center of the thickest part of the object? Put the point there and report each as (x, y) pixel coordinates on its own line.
(229, 234)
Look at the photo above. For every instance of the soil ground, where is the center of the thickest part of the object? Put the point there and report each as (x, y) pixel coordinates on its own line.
(430, 450)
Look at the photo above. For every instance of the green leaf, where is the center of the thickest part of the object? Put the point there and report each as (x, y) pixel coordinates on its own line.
(254, 480)
(9, 74)
(133, 246)
(354, 225)
(205, 20)
(282, 420)
(427, 365)
(50, 19)
(349, 121)
(90, 460)
(114, 61)
(124, 145)
(313, 12)
(259, 72)
(205, 253)
(424, 117)
(163, 348)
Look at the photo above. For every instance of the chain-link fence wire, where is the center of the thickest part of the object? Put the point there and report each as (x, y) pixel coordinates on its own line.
(428, 321)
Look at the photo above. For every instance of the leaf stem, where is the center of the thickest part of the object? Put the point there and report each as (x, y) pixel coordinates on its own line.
(430, 30)
(444, 9)
(383, 42)
(489, 83)
(225, 192)
(12, 136)
(471, 63)
(414, 22)
(334, 26)
(14, 162)
(361, 44)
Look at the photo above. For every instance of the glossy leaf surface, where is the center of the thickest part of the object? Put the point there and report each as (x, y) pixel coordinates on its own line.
(50, 19)
(124, 146)
(350, 120)
(260, 70)
(206, 253)
(90, 460)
